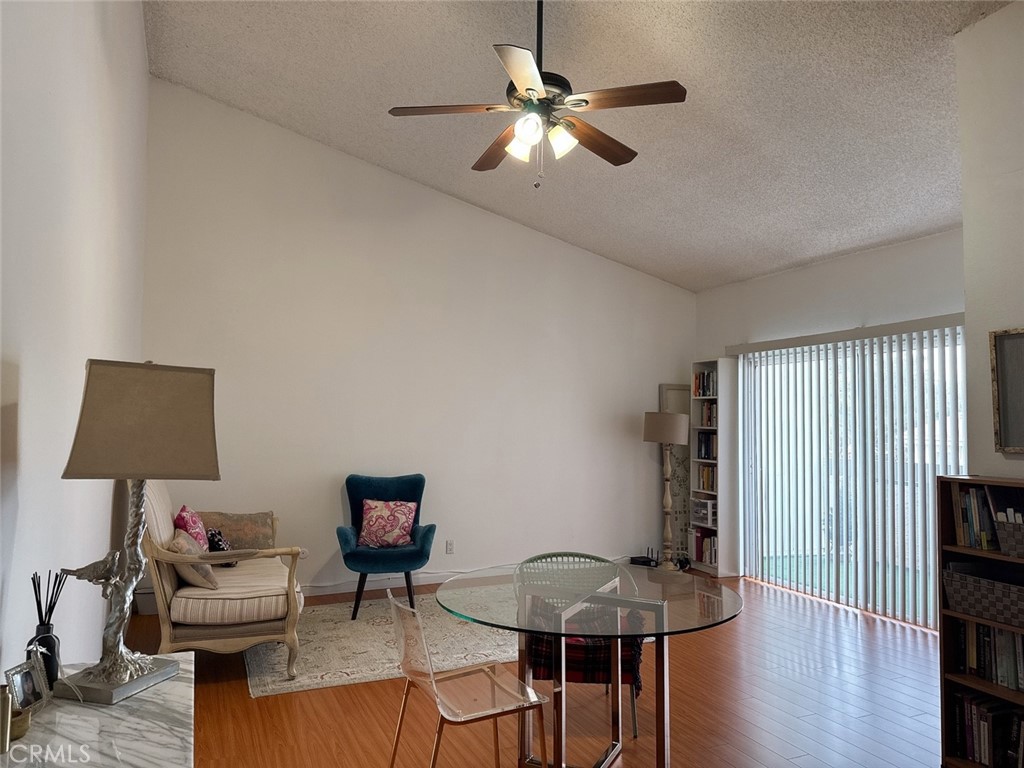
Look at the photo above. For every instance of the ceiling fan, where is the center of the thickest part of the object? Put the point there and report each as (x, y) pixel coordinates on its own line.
(542, 95)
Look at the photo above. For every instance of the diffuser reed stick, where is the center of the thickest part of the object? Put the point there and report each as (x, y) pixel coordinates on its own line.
(54, 586)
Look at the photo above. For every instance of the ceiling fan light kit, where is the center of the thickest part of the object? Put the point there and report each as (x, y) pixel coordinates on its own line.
(529, 129)
(541, 95)
(520, 150)
(561, 141)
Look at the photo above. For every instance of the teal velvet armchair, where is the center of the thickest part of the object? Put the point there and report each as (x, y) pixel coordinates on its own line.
(406, 558)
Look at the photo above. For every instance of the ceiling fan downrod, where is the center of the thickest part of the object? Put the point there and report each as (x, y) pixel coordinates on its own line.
(540, 35)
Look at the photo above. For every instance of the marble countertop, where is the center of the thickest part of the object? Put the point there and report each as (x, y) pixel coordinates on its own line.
(152, 729)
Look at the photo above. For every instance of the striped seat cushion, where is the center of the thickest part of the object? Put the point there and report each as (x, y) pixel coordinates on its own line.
(254, 591)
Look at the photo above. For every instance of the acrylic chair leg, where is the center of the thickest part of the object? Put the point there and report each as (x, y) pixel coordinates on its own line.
(408, 590)
(437, 742)
(401, 719)
(497, 751)
(359, 595)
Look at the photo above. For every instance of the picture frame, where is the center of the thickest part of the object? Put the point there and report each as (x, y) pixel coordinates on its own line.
(27, 684)
(1006, 350)
(674, 398)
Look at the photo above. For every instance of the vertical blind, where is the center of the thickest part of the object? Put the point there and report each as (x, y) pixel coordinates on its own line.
(840, 447)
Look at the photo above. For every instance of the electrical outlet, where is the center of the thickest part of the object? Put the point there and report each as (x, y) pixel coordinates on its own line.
(449, 547)
(303, 553)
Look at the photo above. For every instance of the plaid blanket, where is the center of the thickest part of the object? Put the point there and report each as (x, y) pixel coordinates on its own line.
(589, 659)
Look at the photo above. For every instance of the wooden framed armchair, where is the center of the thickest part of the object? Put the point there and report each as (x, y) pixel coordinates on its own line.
(257, 601)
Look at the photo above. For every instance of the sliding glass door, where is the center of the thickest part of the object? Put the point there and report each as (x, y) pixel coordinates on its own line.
(841, 444)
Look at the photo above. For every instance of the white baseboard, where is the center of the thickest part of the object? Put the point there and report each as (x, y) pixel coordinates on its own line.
(377, 581)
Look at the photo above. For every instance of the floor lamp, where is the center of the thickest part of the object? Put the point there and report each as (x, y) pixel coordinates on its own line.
(668, 429)
(138, 422)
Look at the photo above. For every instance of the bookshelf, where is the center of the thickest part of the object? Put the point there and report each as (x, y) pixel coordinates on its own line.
(713, 536)
(981, 621)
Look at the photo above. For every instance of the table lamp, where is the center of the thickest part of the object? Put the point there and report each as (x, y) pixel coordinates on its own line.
(138, 422)
(668, 429)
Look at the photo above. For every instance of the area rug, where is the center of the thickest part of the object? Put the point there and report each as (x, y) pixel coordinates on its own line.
(334, 650)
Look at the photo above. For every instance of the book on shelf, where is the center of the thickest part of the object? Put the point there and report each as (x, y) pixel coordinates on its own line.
(974, 522)
(707, 478)
(707, 446)
(705, 383)
(1018, 642)
(985, 731)
(1006, 658)
(958, 519)
(990, 653)
(707, 414)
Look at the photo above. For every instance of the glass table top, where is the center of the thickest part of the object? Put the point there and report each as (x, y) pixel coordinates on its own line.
(589, 599)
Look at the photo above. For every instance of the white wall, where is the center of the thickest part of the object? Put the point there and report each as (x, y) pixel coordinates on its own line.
(74, 124)
(907, 281)
(360, 322)
(990, 88)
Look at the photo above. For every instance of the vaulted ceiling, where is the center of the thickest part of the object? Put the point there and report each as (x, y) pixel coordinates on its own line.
(810, 129)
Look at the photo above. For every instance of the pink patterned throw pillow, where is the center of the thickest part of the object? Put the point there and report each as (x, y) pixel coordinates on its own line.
(188, 521)
(386, 523)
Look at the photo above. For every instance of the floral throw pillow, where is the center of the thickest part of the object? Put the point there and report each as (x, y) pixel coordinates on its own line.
(188, 521)
(386, 523)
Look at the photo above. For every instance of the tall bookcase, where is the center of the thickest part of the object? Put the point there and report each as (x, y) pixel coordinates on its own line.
(981, 621)
(713, 537)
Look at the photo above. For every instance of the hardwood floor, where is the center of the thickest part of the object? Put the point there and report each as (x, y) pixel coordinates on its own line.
(791, 682)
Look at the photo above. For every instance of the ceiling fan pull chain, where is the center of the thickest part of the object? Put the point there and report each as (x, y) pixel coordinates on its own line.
(540, 165)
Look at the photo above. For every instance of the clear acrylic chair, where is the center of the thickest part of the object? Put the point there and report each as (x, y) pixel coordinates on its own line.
(462, 696)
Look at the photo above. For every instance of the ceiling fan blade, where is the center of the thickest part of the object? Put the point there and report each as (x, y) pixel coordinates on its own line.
(448, 109)
(599, 142)
(494, 154)
(521, 68)
(667, 92)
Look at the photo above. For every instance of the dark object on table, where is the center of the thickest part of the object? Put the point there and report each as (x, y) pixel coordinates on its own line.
(650, 562)
(683, 562)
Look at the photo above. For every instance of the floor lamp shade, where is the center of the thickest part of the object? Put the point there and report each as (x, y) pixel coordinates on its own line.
(145, 421)
(666, 428)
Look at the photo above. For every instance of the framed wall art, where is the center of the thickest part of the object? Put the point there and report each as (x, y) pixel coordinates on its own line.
(1007, 352)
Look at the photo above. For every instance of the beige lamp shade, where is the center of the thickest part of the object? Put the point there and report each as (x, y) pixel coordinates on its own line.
(666, 428)
(141, 421)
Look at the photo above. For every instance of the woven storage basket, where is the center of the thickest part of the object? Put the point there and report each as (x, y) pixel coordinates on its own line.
(986, 599)
(1011, 538)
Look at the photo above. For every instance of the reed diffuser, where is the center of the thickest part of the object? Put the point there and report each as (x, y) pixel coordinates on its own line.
(44, 640)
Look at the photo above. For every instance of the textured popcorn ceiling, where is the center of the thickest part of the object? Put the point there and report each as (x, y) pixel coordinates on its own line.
(810, 129)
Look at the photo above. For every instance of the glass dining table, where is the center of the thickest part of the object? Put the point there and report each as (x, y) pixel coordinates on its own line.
(615, 601)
